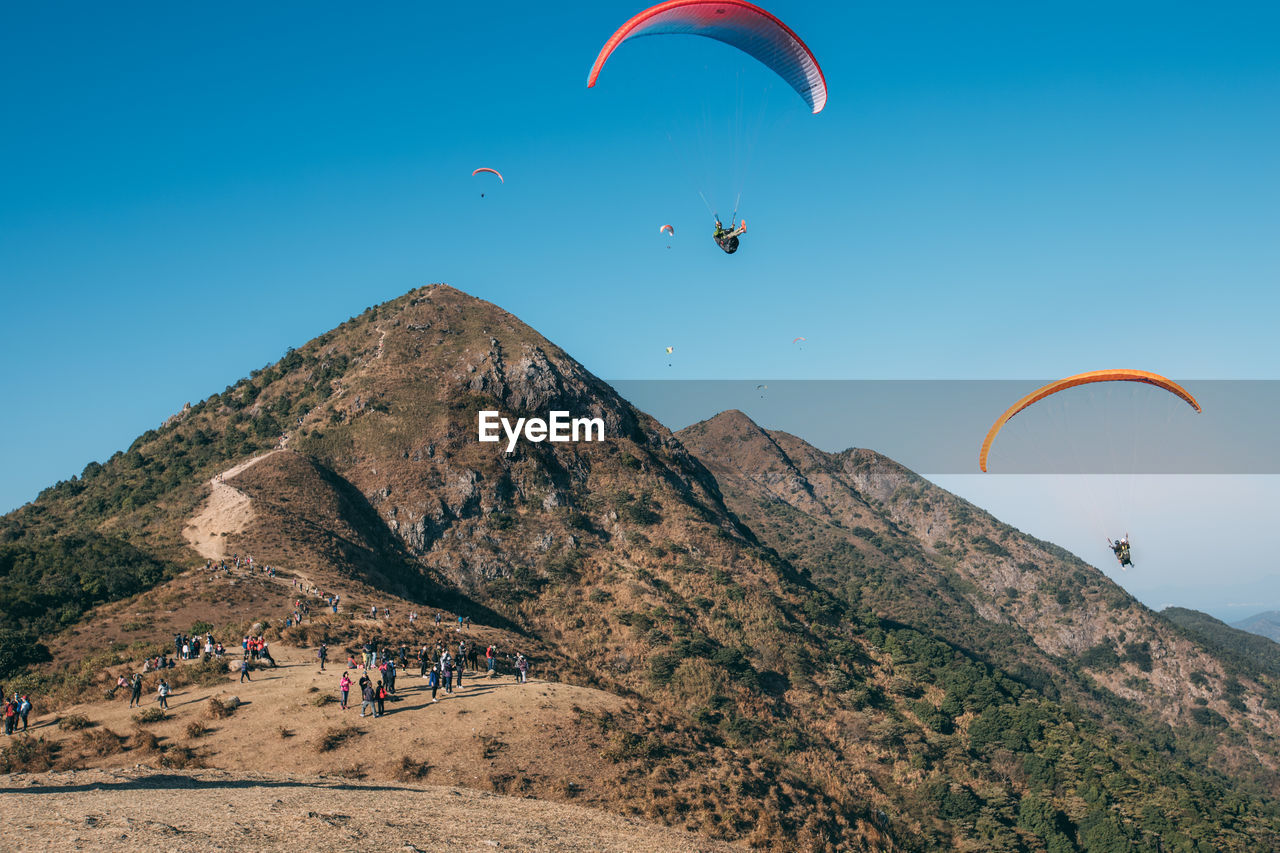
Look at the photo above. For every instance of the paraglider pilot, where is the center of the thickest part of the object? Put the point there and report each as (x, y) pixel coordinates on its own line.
(727, 239)
(1121, 549)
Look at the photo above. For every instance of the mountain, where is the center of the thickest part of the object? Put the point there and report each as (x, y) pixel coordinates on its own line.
(879, 536)
(1263, 624)
(805, 650)
(1254, 656)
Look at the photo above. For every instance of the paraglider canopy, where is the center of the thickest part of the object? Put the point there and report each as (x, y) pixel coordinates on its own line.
(734, 22)
(667, 229)
(1081, 379)
(491, 171)
(798, 340)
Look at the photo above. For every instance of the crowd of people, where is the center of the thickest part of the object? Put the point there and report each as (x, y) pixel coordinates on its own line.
(16, 710)
(442, 664)
(437, 663)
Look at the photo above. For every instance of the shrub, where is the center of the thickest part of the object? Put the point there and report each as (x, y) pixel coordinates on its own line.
(101, 741)
(335, 737)
(216, 709)
(196, 729)
(412, 770)
(28, 755)
(144, 741)
(323, 699)
(74, 722)
(180, 757)
(150, 715)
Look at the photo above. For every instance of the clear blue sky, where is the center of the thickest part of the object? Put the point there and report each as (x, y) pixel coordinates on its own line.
(188, 189)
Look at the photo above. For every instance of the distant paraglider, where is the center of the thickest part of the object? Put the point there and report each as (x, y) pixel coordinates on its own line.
(501, 180)
(762, 388)
(669, 351)
(670, 232)
(799, 340)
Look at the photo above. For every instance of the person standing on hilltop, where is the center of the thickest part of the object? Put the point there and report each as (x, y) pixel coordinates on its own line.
(522, 668)
(322, 653)
(366, 696)
(434, 681)
(244, 671)
(162, 694)
(135, 690)
(345, 685)
(491, 658)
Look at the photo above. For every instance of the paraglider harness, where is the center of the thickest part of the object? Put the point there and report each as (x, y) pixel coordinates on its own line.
(1121, 549)
(727, 239)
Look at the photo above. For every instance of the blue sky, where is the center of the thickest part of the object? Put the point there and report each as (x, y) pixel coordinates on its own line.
(187, 190)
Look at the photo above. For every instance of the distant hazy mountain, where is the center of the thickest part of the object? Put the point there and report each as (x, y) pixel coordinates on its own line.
(1265, 624)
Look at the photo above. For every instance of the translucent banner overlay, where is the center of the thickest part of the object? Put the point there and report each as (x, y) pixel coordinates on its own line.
(938, 426)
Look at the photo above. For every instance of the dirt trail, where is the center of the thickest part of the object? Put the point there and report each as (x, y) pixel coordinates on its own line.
(227, 510)
(145, 809)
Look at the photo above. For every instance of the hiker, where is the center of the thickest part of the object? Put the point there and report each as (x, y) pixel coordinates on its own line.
(522, 668)
(11, 716)
(381, 695)
(345, 685)
(162, 694)
(434, 681)
(24, 708)
(322, 654)
(135, 690)
(244, 671)
(491, 658)
(366, 697)
(446, 667)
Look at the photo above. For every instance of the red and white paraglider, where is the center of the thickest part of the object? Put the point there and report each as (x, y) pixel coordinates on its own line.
(737, 23)
(490, 171)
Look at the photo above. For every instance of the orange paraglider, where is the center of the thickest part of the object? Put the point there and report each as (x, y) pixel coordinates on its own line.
(1081, 379)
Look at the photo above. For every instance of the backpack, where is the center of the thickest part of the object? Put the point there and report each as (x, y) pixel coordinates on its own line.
(382, 693)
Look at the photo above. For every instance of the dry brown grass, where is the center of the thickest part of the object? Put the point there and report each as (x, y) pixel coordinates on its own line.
(216, 709)
(196, 729)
